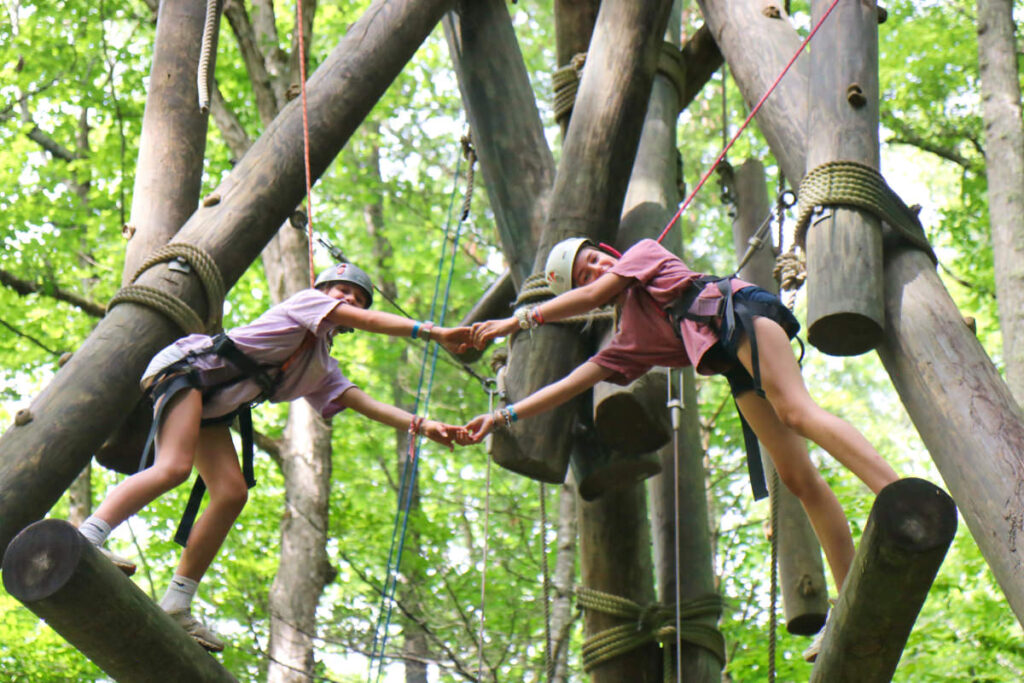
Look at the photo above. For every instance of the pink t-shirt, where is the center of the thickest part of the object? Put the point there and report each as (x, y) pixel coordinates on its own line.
(644, 336)
(271, 339)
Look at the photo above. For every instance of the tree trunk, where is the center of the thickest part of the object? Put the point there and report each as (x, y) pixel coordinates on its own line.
(169, 171)
(801, 571)
(907, 535)
(507, 130)
(961, 407)
(96, 388)
(1004, 165)
(63, 579)
(844, 245)
(562, 584)
(80, 497)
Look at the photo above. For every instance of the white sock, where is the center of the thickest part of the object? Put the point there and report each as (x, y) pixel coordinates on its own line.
(180, 592)
(95, 530)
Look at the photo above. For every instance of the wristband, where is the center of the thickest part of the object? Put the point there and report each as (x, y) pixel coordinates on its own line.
(428, 327)
(512, 416)
(415, 425)
(537, 317)
(415, 330)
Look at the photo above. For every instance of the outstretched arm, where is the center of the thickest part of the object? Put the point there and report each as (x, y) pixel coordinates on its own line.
(393, 416)
(574, 302)
(576, 382)
(455, 339)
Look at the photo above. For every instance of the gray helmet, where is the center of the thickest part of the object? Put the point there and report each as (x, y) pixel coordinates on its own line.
(347, 272)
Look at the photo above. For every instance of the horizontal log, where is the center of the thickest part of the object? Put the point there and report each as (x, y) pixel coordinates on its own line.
(911, 526)
(496, 302)
(64, 580)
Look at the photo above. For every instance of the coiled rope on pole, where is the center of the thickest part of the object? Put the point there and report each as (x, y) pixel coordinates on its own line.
(206, 53)
(648, 623)
(850, 183)
(171, 306)
(536, 290)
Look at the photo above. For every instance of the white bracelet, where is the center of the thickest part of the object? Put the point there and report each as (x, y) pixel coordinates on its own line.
(523, 317)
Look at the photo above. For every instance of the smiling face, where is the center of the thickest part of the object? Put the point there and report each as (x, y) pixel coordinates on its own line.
(589, 265)
(348, 293)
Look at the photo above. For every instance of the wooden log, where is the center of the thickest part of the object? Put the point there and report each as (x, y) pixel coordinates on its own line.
(87, 398)
(911, 526)
(845, 315)
(64, 580)
(952, 392)
(679, 493)
(801, 571)
(507, 131)
(169, 171)
(615, 558)
(574, 27)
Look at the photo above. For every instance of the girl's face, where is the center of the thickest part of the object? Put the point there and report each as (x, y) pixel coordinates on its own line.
(348, 293)
(589, 265)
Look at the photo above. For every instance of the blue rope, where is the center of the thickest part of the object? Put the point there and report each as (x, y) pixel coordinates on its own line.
(410, 468)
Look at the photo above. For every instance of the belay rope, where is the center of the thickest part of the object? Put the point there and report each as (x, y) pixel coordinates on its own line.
(411, 464)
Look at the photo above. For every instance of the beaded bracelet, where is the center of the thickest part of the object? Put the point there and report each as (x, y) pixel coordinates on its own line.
(505, 417)
(415, 425)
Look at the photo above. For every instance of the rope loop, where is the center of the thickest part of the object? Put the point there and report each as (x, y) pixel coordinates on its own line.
(171, 306)
(647, 623)
(565, 81)
(850, 183)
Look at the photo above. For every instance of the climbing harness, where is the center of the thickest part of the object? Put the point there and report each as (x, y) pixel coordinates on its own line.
(746, 122)
(411, 464)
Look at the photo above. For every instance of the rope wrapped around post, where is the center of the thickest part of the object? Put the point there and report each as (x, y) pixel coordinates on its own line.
(654, 622)
(849, 183)
(171, 306)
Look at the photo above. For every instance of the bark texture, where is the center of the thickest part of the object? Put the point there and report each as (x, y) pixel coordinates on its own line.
(1004, 165)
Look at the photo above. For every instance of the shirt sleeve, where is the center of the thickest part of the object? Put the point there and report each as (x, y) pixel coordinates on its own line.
(643, 261)
(310, 308)
(324, 397)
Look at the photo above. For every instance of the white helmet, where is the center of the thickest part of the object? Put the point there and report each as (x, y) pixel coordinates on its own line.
(558, 269)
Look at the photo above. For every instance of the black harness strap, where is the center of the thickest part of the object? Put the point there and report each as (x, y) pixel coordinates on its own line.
(680, 309)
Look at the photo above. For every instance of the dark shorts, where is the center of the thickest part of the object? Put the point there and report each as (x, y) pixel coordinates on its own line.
(759, 303)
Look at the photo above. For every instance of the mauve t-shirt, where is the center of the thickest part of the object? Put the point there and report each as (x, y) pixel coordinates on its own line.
(644, 336)
(271, 339)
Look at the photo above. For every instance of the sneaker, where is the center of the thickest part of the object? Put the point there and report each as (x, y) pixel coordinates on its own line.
(195, 628)
(127, 566)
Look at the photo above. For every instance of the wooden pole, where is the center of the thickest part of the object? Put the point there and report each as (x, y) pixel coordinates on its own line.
(801, 571)
(169, 171)
(907, 535)
(507, 130)
(960, 405)
(69, 419)
(845, 314)
(64, 580)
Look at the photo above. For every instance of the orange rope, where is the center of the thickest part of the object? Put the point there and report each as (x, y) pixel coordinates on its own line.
(305, 140)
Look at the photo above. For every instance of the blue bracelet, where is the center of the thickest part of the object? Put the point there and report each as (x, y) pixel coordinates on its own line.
(415, 330)
(512, 413)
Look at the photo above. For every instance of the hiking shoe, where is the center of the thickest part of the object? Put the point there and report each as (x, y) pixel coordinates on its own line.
(195, 628)
(127, 566)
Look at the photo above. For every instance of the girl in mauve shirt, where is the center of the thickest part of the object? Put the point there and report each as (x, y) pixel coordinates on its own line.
(645, 281)
(198, 387)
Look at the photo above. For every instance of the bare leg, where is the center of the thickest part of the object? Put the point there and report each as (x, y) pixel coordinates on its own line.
(785, 390)
(175, 447)
(218, 465)
(788, 450)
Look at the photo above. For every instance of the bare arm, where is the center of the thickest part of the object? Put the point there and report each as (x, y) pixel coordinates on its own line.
(576, 382)
(574, 302)
(455, 339)
(393, 416)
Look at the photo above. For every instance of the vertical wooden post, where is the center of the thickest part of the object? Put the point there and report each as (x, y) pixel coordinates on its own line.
(845, 314)
(801, 571)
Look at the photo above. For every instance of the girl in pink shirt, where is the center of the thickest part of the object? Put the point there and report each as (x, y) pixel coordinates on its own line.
(729, 327)
(199, 384)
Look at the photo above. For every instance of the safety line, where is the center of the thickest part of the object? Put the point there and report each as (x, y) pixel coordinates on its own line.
(305, 139)
(746, 122)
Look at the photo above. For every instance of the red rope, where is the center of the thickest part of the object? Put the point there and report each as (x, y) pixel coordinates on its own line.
(305, 140)
(746, 122)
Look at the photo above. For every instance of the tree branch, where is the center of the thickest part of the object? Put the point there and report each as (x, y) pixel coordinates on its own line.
(701, 58)
(905, 135)
(29, 337)
(228, 124)
(255, 65)
(275, 59)
(25, 287)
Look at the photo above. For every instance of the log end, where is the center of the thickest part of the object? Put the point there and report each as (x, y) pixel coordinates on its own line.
(917, 515)
(41, 559)
(845, 334)
(627, 424)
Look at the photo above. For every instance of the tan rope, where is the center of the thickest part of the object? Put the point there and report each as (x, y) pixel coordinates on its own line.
(565, 81)
(171, 306)
(850, 183)
(536, 290)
